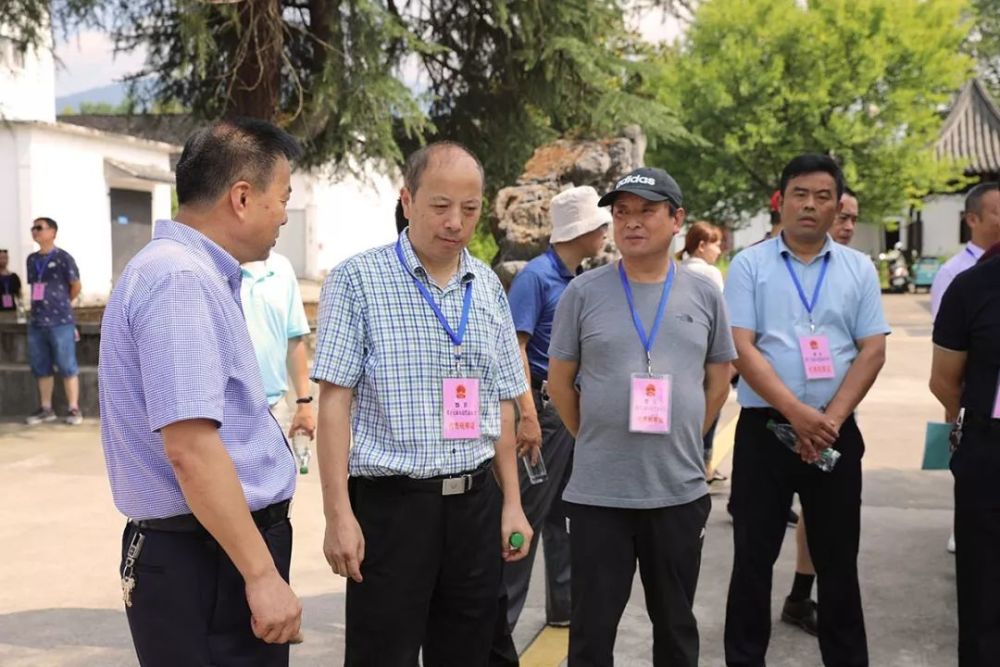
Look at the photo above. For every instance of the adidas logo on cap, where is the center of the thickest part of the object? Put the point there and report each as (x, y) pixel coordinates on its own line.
(635, 178)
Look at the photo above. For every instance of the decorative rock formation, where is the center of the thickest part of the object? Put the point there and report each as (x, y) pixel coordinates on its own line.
(520, 216)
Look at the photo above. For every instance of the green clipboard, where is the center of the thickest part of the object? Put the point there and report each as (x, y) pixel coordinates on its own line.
(937, 449)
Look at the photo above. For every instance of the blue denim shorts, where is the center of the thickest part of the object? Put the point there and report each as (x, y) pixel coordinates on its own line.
(52, 348)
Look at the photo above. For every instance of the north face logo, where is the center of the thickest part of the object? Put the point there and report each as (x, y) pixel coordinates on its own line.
(644, 180)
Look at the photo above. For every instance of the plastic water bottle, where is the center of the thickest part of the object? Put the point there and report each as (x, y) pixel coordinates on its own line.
(300, 444)
(537, 472)
(786, 434)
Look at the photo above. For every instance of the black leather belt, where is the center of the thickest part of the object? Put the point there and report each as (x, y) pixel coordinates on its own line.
(445, 485)
(536, 383)
(187, 523)
(979, 422)
(767, 413)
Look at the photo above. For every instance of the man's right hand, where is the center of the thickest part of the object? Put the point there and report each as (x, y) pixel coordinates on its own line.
(344, 546)
(815, 430)
(275, 611)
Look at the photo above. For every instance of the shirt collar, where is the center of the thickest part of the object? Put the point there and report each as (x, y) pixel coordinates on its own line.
(560, 267)
(783, 249)
(225, 263)
(463, 275)
(257, 271)
(975, 250)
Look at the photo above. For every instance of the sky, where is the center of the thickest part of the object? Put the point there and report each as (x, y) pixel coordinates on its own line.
(88, 60)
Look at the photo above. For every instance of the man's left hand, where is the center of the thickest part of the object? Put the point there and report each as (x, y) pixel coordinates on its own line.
(512, 520)
(303, 421)
(529, 438)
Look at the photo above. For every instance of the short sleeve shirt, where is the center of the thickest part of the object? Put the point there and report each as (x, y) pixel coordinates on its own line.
(762, 297)
(969, 321)
(962, 261)
(613, 467)
(56, 271)
(175, 347)
(272, 304)
(10, 291)
(378, 336)
(534, 295)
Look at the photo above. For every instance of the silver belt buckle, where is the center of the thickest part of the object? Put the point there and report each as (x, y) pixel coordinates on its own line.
(455, 486)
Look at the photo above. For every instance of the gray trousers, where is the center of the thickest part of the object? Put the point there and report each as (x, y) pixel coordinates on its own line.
(543, 507)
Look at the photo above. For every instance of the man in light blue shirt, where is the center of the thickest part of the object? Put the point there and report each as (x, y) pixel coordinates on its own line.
(272, 304)
(195, 460)
(809, 329)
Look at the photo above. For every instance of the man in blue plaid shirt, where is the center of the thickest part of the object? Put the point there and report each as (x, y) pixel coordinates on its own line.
(417, 336)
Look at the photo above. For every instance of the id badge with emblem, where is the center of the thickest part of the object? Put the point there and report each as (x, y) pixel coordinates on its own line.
(649, 403)
(816, 358)
(37, 291)
(460, 408)
(8, 301)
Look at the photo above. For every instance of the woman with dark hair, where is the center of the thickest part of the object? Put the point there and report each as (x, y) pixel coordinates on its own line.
(702, 249)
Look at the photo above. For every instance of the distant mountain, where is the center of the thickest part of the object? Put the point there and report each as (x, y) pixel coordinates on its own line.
(113, 94)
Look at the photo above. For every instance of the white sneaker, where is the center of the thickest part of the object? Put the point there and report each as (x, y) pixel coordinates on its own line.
(951, 544)
(74, 418)
(41, 416)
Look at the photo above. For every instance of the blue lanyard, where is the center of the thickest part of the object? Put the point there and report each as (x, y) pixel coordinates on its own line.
(971, 254)
(809, 305)
(40, 265)
(456, 338)
(647, 342)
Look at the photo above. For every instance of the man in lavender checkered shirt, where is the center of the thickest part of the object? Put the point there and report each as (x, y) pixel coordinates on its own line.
(195, 460)
(415, 518)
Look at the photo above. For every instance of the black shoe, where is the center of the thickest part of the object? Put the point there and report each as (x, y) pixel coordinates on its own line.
(793, 518)
(801, 613)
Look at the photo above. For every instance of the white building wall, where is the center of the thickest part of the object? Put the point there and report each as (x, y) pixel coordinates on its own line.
(343, 216)
(61, 175)
(941, 215)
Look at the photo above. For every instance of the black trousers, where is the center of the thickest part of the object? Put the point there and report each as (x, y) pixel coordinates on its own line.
(546, 511)
(976, 467)
(189, 605)
(762, 491)
(606, 542)
(430, 576)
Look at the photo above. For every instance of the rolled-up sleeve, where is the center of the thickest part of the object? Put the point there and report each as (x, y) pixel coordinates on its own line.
(178, 339)
(341, 332)
(510, 381)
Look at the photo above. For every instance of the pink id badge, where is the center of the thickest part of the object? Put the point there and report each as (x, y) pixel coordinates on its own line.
(8, 301)
(996, 401)
(37, 291)
(649, 403)
(461, 409)
(816, 357)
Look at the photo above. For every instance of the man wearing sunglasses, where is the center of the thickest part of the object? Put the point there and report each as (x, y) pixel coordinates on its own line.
(54, 281)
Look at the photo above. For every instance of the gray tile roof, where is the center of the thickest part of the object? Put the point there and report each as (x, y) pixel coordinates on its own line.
(971, 133)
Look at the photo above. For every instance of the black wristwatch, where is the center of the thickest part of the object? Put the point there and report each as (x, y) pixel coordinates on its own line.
(301, 401)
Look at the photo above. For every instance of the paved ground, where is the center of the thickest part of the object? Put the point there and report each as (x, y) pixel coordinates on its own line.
(60, 600)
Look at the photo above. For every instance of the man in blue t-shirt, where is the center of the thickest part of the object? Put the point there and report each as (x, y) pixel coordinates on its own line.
(579, 228)
(53, 283)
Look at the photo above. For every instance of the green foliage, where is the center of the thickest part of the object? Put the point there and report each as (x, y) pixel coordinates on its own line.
(984, 42)
(865, 81)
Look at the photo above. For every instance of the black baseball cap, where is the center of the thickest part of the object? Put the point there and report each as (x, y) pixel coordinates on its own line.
(648, 183)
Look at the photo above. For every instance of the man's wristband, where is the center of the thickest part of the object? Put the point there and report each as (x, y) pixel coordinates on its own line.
(304, 400)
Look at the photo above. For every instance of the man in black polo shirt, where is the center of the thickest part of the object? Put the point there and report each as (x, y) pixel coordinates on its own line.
(965, 376)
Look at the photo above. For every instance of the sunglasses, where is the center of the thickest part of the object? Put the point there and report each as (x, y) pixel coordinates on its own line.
(38, 228)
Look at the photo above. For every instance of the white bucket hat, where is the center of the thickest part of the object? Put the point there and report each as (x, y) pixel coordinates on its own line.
(575, 212)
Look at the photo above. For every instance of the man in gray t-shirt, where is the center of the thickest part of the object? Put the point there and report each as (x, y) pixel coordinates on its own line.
(649, 344)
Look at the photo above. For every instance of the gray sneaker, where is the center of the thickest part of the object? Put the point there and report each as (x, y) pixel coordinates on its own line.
(42, 416)
(74, 418)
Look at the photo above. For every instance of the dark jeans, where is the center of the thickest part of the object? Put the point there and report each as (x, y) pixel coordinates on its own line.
(606, 543)
(976, 467)
(189, 605)
(831, 502)
(546, 511)
(430, 576)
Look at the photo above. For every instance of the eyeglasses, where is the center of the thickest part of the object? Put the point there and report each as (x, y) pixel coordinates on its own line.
(37, 228)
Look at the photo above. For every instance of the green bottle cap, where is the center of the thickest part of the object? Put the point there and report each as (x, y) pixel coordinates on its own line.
(516, 540)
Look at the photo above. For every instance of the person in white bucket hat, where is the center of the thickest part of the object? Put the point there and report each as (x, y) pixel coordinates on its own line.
(579, 228)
